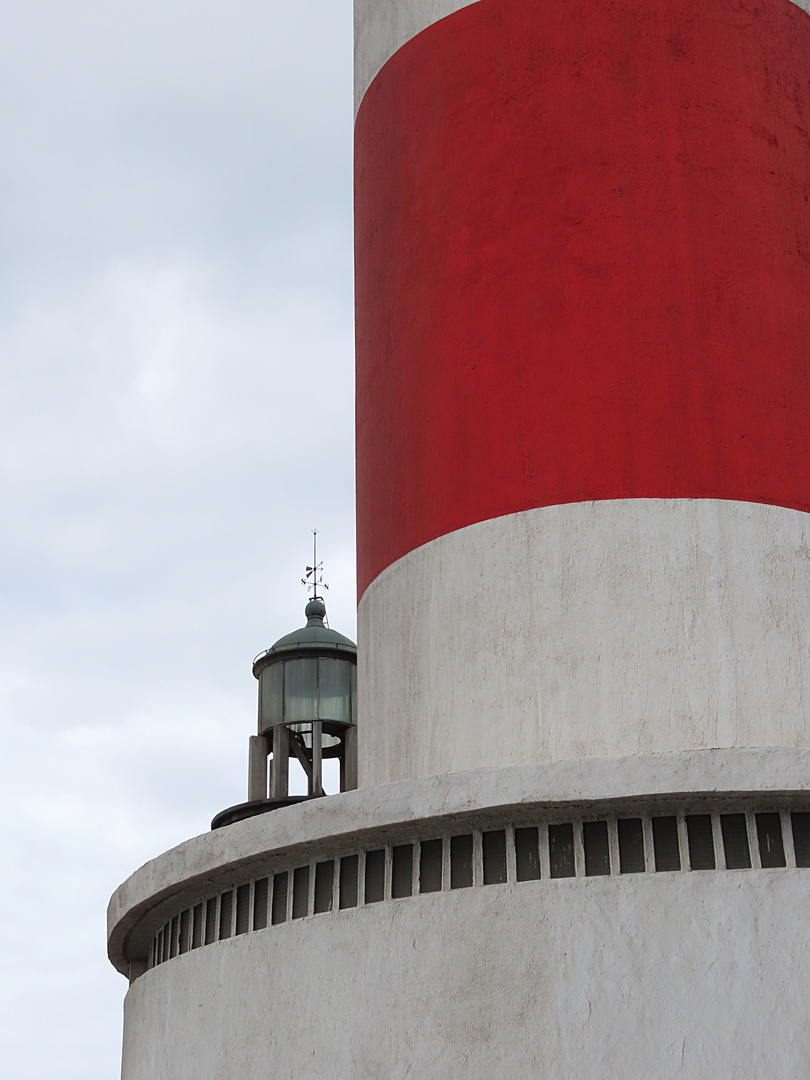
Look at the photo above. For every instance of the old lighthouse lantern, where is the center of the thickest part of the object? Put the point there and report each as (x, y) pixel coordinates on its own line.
(307, 707)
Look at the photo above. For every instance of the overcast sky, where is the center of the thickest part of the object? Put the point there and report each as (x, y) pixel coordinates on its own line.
(176, 414)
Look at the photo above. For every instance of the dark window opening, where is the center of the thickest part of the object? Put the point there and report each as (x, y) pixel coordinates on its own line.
(225, 915)
(349, 877)
(735, 841)
(430, 866)
(211, 921)
(494, 852)
(665, 843)
(597, 851)
(527, 854)
(185, 923)
(561, 850)
(461, 862)
(197, 927)
(631, 846)
(261, 891)
(771, 845)
(402, 871)
(801, 838)
(375, 876)
(243, 909)
(324, 886)
(701, 842)
(173, 937)
(281, 885)
(300, 892)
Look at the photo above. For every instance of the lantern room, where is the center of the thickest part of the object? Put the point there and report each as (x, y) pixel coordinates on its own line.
(307, 705)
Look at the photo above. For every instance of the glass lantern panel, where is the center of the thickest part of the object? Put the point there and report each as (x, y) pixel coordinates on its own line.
(300, 691)
(333, 677)
(271, 696)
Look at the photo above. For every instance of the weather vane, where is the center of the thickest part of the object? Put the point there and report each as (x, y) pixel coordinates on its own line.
(313, 579)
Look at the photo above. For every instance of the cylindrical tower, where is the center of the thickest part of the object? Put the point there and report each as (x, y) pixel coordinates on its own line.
(583, 364)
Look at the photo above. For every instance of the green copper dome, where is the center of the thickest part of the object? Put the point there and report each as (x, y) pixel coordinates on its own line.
(315, 635)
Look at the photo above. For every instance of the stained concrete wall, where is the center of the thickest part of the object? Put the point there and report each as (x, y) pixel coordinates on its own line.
(689, 976)
(608, 628)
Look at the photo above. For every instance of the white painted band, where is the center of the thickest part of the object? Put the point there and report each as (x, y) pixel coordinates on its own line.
(383, 26)
(585, 630)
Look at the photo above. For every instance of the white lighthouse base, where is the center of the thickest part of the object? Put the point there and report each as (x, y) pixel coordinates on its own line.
(678, 973)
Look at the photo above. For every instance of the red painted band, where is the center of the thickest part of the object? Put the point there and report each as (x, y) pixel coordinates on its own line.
(583, 263)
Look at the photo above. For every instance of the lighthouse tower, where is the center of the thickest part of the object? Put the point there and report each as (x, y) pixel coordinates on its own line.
(579, 844)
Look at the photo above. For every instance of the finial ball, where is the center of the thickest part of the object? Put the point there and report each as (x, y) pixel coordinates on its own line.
(315, 609)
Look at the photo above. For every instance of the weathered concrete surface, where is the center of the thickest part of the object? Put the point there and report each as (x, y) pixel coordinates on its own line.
(692, 976)
(607, 628)
(208, 862)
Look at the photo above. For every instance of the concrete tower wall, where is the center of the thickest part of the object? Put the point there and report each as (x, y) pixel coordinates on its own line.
(494, 983)
(583, 301)
(665, 973)
(604, 628)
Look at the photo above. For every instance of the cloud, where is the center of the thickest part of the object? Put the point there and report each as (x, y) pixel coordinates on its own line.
(176, 413)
